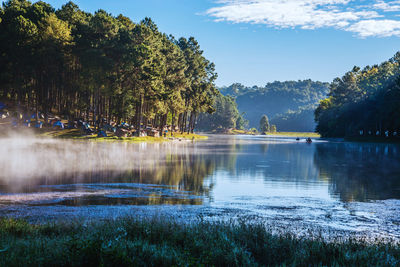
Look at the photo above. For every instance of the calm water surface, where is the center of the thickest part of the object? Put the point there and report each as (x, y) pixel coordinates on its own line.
(333, 186)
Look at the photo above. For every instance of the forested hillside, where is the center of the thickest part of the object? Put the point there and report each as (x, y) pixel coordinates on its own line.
(226, 116)
(289, 105)
(100, 67)
(364, 102)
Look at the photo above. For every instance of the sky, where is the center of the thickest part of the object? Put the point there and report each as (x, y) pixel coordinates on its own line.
(258, 41)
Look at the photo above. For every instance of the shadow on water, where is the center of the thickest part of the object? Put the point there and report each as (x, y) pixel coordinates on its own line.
(353, 171)
(360, 172)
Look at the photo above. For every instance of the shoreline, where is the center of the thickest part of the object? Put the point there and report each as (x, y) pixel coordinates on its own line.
(75, 134)
(283, 134)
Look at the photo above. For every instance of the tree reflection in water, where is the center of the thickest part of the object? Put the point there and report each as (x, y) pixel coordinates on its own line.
(360, 171)
(144, 174)
(81, 173)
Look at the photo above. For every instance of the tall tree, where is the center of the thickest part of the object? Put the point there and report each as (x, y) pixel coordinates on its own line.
(100, 67)
(362, 102)
(264, 124)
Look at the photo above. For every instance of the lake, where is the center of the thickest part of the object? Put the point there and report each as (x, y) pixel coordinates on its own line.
(337, 188)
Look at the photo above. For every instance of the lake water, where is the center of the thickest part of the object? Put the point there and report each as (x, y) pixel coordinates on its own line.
(334, 187)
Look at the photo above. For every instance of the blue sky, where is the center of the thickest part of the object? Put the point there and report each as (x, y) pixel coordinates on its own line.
(258, 41)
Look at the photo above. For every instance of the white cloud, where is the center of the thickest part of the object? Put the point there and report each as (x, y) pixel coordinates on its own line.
(378, 28)
(348, 15)
(388, 6)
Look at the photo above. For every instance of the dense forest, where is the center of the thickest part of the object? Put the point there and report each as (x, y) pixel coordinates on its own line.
(101, 67)
(290, 105)
(364, 102)
(226, 116)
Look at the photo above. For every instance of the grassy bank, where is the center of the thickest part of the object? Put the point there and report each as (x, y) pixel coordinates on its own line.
(231, 132)
(76, 134)
(236, 131)
(288, 134)
(132, 242)
(296, 134)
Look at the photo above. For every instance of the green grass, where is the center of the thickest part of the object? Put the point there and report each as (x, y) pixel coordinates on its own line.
(232, 132)
(76, 134)
(236, 131)
(157, 242)
(189, 136)
(289, 134)
(296, 134)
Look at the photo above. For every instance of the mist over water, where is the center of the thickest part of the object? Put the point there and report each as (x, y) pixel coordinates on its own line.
(350, 187)
(23, 159)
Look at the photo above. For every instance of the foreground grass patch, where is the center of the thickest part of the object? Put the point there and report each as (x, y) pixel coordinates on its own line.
(156, 242)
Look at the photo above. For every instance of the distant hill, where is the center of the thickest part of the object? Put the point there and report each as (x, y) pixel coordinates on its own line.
(289, 105)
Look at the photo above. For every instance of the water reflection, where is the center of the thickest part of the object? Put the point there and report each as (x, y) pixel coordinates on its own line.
(360, 172)
(348, 171)
(49, 172)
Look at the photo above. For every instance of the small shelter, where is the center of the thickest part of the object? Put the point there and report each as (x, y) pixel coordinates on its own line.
(39, 124)
(153, 133)
(101, 134)
(86, 128)
(120, 132)
(4, 114)
(110, 128)
(58, 124)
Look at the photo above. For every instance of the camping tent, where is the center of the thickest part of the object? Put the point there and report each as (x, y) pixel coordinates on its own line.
(102, 134)
(58, 124)
(39, 124)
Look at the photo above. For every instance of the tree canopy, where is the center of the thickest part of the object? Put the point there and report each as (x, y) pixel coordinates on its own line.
(226, 116)
(363, 102)
(101, 67)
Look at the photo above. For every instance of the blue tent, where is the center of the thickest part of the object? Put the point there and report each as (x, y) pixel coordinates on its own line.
(33, 116)
(125, 125)
(39, 124)
(102, 134)
(2, 105)
(58, 124)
